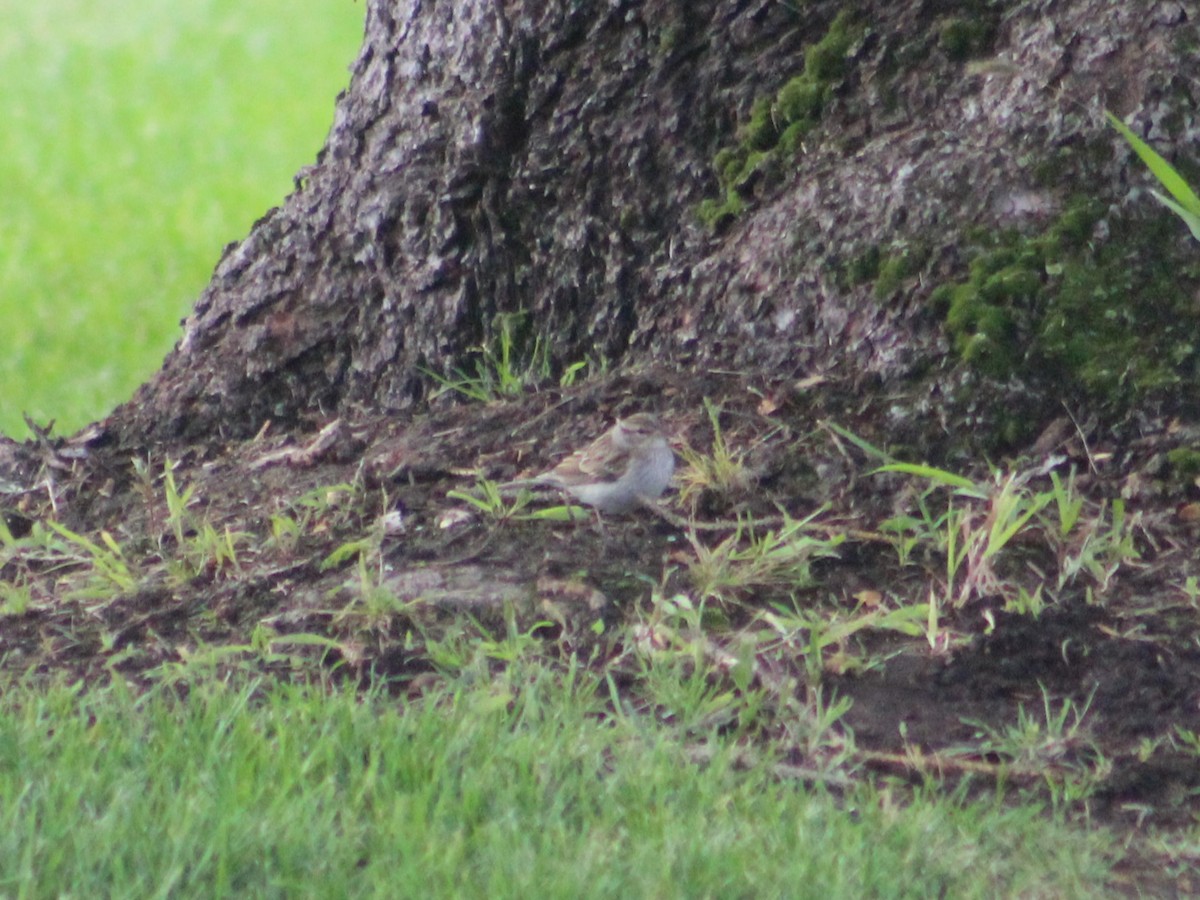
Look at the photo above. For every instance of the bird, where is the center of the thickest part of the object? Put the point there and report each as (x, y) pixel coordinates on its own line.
(629, 464)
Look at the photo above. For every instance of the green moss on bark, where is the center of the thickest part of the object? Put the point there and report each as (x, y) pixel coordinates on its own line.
(1113, 319)
(777, 125)
(966, 36)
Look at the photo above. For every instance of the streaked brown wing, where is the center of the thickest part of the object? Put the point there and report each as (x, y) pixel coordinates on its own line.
(595, 463)
(600, 462)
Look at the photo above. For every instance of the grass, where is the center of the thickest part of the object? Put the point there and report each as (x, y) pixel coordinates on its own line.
(1185, 204)
(982, 522)
(746, 560)
(722, 471)
(139, 140)
(511, 361)
(698, 775)
(513, 786)
(516, 769)
(513, 771)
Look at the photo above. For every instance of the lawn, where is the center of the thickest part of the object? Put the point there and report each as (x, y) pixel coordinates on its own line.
(139, 139)
(515, 787)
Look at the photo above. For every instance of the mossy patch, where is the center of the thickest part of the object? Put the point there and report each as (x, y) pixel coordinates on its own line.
(777, 125)
(1113, 320)
(964, 37)
(886, 268)
(903, 263)
(863, 267)
(1185, 464)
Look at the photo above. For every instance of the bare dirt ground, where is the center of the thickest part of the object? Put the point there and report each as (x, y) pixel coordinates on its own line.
(347, 558)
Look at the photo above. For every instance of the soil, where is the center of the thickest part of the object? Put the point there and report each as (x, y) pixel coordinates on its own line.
(1122, 646)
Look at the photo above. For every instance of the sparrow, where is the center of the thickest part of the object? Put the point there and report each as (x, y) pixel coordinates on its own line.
(627, 465)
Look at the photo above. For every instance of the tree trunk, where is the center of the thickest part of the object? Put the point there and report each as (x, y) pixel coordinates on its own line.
(552, 159)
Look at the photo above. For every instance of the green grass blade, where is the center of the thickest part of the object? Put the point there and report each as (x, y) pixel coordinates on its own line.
(1162, 170)
(1192, 220)
(866, 447)
(941, 476)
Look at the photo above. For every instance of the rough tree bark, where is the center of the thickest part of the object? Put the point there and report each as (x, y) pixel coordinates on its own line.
(493, 157)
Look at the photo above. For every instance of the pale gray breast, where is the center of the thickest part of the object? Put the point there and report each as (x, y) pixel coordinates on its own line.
(647, 476)
(651, 477)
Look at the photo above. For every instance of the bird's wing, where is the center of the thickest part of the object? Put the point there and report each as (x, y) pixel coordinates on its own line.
(598, 462)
